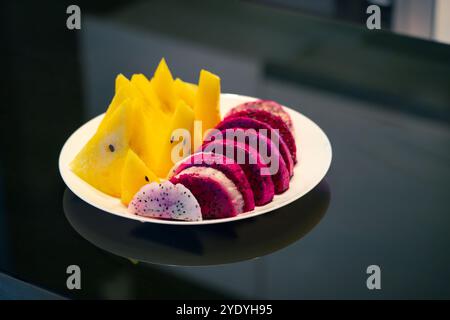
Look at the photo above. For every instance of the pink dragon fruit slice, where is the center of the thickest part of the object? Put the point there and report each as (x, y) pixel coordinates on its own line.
(227, 166)
(268, 152)
(217, 195)
(252, 165)
(265, 105)
(249, 123)
(166, 201)
(274, 122)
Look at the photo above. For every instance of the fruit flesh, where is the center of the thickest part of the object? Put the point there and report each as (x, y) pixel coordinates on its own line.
(274, 122)
(135, 174)
(262, 185)
(162, 83)
(183, 118)
(142, 140)
(101, 160)
(266, 105)
(217, 195)
(121, 81)
(227, 166)
(146, 89)
(166, 201)
(185, 91)
(267, 150)
(207, 102)
(248, 123)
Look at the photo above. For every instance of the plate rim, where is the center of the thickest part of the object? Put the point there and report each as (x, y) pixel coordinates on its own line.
(202, 222)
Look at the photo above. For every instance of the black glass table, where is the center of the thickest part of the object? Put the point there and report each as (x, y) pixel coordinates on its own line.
(382, 99)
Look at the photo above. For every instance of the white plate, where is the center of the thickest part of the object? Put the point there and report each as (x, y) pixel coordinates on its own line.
(314, 159)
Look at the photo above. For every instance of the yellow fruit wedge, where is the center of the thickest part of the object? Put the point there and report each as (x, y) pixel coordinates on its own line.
(207, 101)
(192, 86)
(185, 91)
(183, 118)
(162, 83)
(101, 160)
(126, 91)
(145, 139)
(135, 174)
(121, 81)
(141, 82)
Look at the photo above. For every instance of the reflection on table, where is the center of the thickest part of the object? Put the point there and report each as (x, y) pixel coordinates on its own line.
(198, 245)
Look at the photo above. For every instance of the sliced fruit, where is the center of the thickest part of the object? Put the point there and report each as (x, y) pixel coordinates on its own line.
(192, 86)
(269, 152)
(143, 139)
(101, 160)
(147, 90)
(183, 118)
(166, 201)
(274, 121)
(266, 105)
(217, 195)
(225, 165)
(135, 174)
(185, 91)
(249, 123)
(126, 91)
(251, 163)
(162, 83)
(121, 81)
(207, 102)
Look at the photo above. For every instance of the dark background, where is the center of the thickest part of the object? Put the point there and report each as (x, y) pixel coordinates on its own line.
(383, 100)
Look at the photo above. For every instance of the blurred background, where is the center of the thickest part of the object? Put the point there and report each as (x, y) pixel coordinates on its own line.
(382, 96)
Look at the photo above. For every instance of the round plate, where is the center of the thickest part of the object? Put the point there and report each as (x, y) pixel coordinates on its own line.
(314, 159)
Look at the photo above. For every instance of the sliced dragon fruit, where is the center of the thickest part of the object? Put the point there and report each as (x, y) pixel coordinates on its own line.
(274, 121)
(252, 165)
(218, 196)
(266, 105)
(166, 201)
(249, 123)
(267, 150)
(228, 167)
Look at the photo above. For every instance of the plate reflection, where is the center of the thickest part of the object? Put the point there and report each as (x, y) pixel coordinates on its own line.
(202, 244)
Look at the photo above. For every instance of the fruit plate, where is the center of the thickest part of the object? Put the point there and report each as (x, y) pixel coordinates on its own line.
(314, 159)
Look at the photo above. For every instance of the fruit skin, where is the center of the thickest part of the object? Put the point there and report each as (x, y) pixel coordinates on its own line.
(135, 174)
(266, 105)
(249, 123)
(166, 201)
(215, 201)
(227, 166)
(101, 160)
(273, 121)
(207, 102)
(183, 118)
(262, 185)
(281, 177)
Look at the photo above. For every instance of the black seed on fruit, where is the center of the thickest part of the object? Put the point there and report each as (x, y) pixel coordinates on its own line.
(111, 148)
(146, 179)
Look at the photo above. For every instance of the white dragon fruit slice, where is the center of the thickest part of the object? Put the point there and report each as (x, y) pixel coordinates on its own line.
(166, 201)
